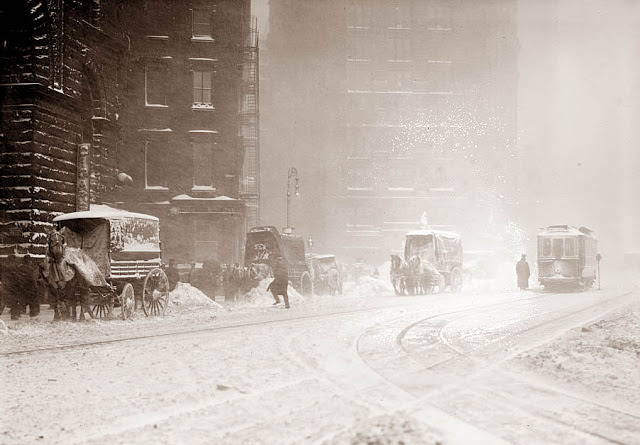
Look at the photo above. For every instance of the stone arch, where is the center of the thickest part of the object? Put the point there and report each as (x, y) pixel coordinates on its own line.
(94, 118)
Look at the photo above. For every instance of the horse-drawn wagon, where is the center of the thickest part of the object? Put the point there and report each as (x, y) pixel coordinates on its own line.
(431, 258)
(105, 257)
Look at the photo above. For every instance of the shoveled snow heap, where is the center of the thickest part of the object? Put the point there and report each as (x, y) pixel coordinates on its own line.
(260, 296)
(367, 286)
(186, 296)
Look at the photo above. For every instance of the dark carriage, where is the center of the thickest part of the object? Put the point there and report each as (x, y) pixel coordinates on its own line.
(567, 257)
(264, 242)
(117, 254)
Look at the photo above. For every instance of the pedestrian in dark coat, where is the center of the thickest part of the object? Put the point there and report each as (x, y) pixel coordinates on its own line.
(280, 281)
(172, 274)
(523, 272)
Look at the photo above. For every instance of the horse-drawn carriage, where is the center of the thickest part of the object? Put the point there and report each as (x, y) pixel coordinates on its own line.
(432, 258)
(106, 257)
(264, 242)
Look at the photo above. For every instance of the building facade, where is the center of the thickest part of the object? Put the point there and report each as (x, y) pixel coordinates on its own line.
(412, 106)
(430, 120)
(155, 89)
(182, 124)
(59, 104)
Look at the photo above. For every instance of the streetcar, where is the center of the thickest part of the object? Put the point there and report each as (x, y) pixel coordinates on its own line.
(567, 257)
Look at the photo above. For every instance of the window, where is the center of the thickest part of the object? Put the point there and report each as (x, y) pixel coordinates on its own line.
(201, 27)
(358, 15)
(358, 47)
(155, 165)
(558, 247)
(546, 247)
(205, 240)
(569, 247)
(202, 164)
(399, 48)
(155, 85)
(400, 16)
(202, 88)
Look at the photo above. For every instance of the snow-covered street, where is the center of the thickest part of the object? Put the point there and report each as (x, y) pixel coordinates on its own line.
(366, 367)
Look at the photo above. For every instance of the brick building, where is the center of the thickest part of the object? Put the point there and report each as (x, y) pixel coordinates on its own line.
(153, 88)
(58, 90)
(181, 123)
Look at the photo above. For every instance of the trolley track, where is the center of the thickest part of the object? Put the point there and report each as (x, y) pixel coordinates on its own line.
(461, 383)
(241, 324)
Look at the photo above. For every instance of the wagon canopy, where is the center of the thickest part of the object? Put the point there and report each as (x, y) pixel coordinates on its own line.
(103, 230)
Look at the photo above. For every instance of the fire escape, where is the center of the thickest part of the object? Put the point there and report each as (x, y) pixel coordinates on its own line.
(249, 129)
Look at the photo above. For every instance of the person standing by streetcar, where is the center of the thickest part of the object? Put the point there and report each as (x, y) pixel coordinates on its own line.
(523, 272)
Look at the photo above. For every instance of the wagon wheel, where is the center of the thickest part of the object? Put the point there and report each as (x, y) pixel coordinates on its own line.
(103, 305)
(127, 301)
(456, 280)
(442, 283)
(155, 293)
(306, 285)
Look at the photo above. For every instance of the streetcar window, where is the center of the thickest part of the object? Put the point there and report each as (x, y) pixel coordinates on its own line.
(558, 247)
(546, 247)
(570, 247)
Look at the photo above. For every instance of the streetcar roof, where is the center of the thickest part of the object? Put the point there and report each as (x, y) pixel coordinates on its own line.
(101, 211)
(560, 230)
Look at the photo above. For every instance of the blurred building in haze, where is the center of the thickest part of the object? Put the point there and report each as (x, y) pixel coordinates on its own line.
(400, 113)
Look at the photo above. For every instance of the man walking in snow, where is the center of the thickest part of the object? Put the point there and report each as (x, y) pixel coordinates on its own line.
(523, 272)
(280, 281)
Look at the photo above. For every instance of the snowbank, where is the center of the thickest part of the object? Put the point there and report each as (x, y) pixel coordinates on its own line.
(260, 296)
(368, 286)
(186, 296)
(600, 359)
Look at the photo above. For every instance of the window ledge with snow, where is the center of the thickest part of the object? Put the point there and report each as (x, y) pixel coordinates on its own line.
(156, 105)
(156, 187)
(202, 39)
(203, 188)
(208, 107)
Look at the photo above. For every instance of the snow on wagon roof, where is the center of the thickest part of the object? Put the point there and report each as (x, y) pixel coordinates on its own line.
(104, 212)
(424, 232)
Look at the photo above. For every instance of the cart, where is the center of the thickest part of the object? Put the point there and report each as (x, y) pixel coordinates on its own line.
(119, 257)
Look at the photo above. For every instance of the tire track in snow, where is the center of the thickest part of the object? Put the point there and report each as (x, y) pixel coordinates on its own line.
(461, 358)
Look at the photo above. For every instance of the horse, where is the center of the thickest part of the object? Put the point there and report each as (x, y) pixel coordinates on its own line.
(333, 281)
(423, 276)
(68, 287)
(398, 274)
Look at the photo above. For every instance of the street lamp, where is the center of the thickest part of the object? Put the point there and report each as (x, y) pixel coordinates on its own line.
(292, 175)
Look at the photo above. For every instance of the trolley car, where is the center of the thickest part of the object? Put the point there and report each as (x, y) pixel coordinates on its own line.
(567, 256)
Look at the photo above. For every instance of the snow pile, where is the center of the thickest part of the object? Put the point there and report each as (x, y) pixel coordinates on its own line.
(368, 286)
(386, 430)
(260, 296)
(600, 359)
(186, 296)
